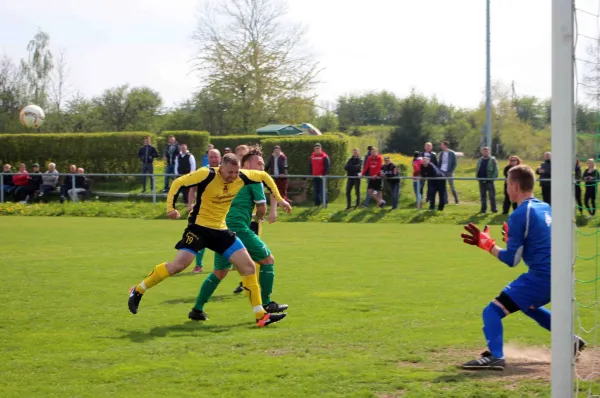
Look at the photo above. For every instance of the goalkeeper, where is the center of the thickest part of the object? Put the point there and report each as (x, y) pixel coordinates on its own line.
(239, 220)
(527, 235)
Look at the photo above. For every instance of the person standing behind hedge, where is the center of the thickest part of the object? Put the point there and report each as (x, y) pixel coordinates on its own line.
(147, 154)
(590, 177)
(171, 151)
(318, 166)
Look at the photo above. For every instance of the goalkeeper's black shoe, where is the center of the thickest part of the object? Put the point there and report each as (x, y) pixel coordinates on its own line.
(486, 362)
(269, 319)
(134, 300)
(238, 289)
(274, 307)
(196, 315)
(579, 345)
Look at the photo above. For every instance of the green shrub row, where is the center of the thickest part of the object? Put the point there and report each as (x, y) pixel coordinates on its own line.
(95, 152)
(117, 152)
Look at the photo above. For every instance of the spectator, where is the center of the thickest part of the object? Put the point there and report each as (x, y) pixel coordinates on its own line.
(448, 163)
(416, 165)
(241, 151)
(318, 167)
(590, 177)
(147, 154)
(487, 170)
(25, 193)
(205, 157)
(49, 181)
(68, 183)
(545, 172)
(375, 184)
(578, 186)
(277, 166)
(512, 162)
(81, 185)
(8, 186)
(353, 167)
(21, 179)
(367, 197)
(431, 171)
(390, 172)
(226, 151)
(185, 163)
(171, 151)
(432, 159)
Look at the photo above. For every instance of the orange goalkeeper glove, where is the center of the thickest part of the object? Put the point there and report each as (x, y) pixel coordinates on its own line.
(478, 238)
(505, 232)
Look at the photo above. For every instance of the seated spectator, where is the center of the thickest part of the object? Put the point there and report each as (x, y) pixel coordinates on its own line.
(21, 179)
(24, 194)
(8, 186)
(81, 185)
(67, 183)
(49, 182)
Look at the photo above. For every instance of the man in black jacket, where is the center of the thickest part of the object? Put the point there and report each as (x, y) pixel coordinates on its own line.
(429, 170)
(185, 163)
(147, 154)
(353, 168)
(428, 152)
(545, 172)
(171, 152)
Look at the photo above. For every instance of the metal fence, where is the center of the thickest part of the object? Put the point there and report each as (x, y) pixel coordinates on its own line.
(160, 178)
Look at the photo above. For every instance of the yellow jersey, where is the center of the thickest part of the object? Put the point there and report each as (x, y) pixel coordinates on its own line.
(214, 195)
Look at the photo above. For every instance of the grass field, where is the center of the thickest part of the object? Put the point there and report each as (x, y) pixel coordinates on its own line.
(375, 311)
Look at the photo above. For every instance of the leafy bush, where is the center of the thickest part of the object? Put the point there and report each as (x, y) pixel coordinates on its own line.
(196, 141)
(96, 152)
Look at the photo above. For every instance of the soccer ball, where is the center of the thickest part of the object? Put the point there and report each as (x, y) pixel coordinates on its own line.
(32, 116)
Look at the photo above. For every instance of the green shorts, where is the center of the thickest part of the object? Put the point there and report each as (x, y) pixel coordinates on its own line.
(256, 247)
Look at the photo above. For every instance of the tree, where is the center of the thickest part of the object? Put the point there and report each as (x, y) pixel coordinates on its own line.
(59, 91)
(247, 54)
(13, 94)
(121, 108)
(38, 67)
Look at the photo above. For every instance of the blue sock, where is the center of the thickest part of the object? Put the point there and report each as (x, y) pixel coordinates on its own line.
(541, 316)
(492, 329)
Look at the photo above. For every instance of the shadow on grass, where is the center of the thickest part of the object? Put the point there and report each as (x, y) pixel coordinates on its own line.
(421, 216)
(377, 215)
(189, 328)
(191, 300)
(304, 215)
(474, 218)
(513, 369)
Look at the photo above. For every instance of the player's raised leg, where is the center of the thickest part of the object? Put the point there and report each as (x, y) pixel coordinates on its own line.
(245, 266)
(161, 272)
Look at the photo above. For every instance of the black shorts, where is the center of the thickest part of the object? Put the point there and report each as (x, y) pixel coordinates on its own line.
(254, 227)
(376, 184)
(196, 238)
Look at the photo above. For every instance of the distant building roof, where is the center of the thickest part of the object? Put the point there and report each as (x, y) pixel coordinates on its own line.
(279, 129)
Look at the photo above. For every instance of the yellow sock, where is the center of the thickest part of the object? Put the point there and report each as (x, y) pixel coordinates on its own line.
(250, 284)
(157, 275)
(246, 292)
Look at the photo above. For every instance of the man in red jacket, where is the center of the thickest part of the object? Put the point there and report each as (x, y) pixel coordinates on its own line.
(373, 166)
(318, 166)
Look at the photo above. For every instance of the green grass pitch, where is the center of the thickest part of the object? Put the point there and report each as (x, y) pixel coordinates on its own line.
(375, 311)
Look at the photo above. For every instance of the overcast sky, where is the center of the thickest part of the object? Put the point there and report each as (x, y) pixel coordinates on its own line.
(436, 46)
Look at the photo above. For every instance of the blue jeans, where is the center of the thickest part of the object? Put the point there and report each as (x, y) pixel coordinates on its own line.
(395, 192)
(147, 168)
(170, 169)
(417, 189)
(318, 190)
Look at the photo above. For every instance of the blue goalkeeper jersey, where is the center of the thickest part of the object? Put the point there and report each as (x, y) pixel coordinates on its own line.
(529, 236)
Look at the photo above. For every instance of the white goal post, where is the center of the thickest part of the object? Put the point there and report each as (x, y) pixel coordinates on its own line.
(563, 231)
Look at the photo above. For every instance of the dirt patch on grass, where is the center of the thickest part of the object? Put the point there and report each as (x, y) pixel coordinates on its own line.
(532, 363)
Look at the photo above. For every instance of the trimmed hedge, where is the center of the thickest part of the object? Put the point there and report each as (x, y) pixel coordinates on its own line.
(196, 141)
(96, 152)
(232, 141)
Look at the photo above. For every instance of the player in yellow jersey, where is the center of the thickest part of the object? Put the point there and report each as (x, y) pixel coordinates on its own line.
(216, 188)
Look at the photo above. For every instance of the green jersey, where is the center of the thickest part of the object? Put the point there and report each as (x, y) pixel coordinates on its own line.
(242, 207)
